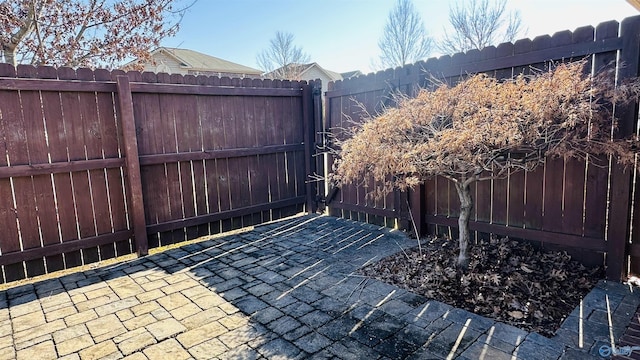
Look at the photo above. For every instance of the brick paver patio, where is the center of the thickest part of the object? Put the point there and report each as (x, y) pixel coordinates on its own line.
(285, 290)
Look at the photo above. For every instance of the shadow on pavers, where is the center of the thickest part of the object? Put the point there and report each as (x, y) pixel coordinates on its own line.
(288, 289)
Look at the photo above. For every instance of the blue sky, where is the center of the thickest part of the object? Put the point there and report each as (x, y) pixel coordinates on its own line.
(342, 35)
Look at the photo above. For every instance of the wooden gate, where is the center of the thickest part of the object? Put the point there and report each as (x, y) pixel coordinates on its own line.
(97, 164)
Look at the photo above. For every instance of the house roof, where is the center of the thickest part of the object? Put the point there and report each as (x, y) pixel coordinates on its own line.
(331, 74)
(198, 61)
(350, 74)
(304, 68)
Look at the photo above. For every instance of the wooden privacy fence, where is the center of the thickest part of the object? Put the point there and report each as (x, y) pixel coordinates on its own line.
(97, 164)
(569, 205)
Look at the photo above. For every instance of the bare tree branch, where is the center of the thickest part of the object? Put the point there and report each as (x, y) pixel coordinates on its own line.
(282, 59)
(404, 39)
(476, 24)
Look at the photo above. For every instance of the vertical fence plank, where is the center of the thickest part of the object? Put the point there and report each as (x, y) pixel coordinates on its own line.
(133, 164)
(18, 154)
(309, 135)
(212, 139)
(260, 182)
(10, 241)
(225, 183)
(111, 135)
(79, 196)
(147, 113)
(96, 201)
(618, 228)
(42, 190)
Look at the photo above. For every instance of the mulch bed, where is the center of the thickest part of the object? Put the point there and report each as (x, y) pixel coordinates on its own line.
(507, 280)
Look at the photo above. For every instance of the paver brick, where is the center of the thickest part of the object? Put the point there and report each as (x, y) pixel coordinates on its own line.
(28, 321)
(55, 302)
(201, 334)
(172, 301)
(195, 291)
(250, 304)
(139, 321)
(234, 321)
(284, 325)
(70, 333)
(145, 308)
(395, 348)
(168, 349)
(74, 356)
(78, 298)
(38, 331)
(185, 311)
(99, 351)
(208, 349)
(203, 317)
(41, 351)
(104, 291)
(267, 315)
(94, 303)
(60, 313)
(165, 328)
(150, 295)
(116, 306)
(24, 308)
(105, 328)
(228, 308)
(480, 350)
(279, 348)
(170, 289)
(136, 342)
(74, 344)
(154, 284)
(242, 352)
(209, 301)
(125, 314)
(25, 343)
(160, 314)
(233, 294)
(233, 339)
(81, 317)
(125, 287)
(136, 356)
(297, 333)
(5, 341)
(315, 319)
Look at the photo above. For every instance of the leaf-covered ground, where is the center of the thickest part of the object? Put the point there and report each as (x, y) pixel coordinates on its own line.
(507, 280)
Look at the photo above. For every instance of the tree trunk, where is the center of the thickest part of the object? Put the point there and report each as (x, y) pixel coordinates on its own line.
(466, 204)
(9, 55)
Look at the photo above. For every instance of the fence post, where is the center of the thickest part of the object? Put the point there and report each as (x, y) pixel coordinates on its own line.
(309, 137)
(134, 179)
(619, 214)
(319, 144)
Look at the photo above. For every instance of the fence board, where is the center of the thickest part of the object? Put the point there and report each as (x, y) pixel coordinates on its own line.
(23, 187)
(42, 191)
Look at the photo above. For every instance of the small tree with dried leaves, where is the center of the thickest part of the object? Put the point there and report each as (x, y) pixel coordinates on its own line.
(483, 128)
(84, 33)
